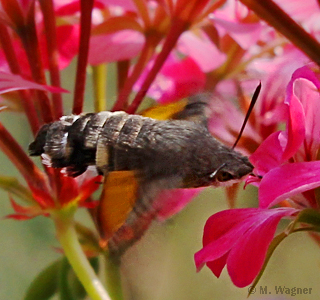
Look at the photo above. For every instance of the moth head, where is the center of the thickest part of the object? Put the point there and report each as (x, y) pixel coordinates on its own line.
(36, 148)
(230, 171)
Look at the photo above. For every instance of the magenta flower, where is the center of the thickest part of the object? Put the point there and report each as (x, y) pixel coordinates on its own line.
(170, 202)
(239, 239)
(287, 162)
(177, 79)
(289, 157)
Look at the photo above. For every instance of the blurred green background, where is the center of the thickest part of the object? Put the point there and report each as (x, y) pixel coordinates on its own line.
(160, 266)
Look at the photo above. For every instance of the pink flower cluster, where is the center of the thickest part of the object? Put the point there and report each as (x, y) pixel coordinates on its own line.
(288, 173)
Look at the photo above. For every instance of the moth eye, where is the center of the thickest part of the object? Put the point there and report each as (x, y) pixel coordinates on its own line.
(224, 176)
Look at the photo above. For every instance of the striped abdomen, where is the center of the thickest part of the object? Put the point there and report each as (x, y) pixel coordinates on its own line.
(75, 142)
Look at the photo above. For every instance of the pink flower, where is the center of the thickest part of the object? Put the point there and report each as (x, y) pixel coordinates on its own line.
(164, 25)
(199, 47)
(288, 157)
(170, 202)
(239, 239)
(287, 162)
(237, 21)
(117, 46)
(270, 110)
(177, 79)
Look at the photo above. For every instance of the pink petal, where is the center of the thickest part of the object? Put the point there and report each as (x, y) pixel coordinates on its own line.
(20, 54)
(71, 7)
(269, 153)
(302, 97)
(121, 45)
(308, 94)
(287, 180)
(306, 73)
(295, 128)
(299, 10)
(245, 34)
(125, 4)
(67, 40)
(221, 231)
(66, 7)
(240, 239)
(216, 266)
(226, 119)
(170, 202)
(183, 78)
(247, 256)
(223, 221)
(10, 82)
(177, 78)
(202, 51)
(305, 86)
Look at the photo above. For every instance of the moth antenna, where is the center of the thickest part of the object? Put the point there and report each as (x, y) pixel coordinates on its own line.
(252, 103)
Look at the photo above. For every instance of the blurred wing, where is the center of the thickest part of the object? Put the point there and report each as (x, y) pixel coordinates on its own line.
(165, 111)
(133, 216)
(194, 109)
(116, 202)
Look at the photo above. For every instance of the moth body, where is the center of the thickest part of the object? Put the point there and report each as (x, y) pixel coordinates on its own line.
(154, 149)
(176, 153)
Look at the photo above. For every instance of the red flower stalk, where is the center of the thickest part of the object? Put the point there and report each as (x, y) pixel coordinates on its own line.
(182, 15)
(53, 55)
(86, 10)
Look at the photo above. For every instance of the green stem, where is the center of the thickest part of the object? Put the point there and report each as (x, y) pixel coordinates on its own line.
(99, 85)
(68, 239)
(113, 277)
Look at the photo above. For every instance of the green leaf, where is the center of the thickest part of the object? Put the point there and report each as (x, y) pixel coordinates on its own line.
(45, 285)
(274, 244)
(113, 277)
(12, 186)
(70, 288)
(64, 289)
(309, 216)
(87, 237)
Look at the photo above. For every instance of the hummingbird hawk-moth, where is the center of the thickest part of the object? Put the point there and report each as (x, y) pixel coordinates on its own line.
(168, 154)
